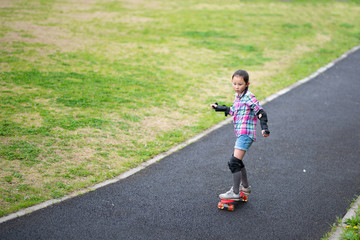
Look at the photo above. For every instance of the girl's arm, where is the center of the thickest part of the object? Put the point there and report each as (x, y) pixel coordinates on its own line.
(262, 116)
(222, 108)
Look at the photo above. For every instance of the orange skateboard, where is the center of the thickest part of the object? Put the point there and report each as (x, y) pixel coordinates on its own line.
(229, 204)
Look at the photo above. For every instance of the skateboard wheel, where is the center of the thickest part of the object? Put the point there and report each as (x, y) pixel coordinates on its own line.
(244, 197)
(220, 205)
(231, 208)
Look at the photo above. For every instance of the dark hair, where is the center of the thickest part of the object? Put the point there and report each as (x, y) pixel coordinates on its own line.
(244, 75)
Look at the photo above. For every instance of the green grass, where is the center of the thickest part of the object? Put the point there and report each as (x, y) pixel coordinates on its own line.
(88, 91)
(352, 229)
(349, 229)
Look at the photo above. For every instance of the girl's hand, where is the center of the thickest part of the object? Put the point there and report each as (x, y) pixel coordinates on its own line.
(213, 106)
(265, 134)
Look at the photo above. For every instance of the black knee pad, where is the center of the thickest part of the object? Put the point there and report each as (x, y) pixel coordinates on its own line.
(235, 164)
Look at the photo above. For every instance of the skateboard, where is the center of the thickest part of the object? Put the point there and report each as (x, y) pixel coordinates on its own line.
(229, 204)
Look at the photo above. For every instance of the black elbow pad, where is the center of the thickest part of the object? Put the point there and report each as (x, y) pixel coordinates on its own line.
(263, 120)
(222, 108)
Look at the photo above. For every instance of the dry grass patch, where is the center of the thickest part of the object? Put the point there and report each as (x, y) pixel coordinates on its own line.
(28, 119)
(29, 32)
(164, 120)
(283, 59)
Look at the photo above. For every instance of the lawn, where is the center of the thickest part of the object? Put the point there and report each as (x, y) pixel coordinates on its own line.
(91, 89)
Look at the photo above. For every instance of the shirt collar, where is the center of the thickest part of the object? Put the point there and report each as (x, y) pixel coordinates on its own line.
(241, 95)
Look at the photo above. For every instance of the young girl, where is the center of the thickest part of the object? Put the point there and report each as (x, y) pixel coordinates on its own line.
(246, 110)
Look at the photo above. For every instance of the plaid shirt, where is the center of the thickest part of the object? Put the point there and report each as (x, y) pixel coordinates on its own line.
(244, 110)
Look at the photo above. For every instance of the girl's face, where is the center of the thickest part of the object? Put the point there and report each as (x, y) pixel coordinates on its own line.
(239, 84)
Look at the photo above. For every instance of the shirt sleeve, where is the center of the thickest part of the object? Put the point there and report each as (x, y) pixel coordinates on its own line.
(254, 104)
(232, 110)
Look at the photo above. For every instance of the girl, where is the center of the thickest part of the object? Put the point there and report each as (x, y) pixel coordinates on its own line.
(246, 110)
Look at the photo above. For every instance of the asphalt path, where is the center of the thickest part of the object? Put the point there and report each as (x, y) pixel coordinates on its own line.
(303, 176)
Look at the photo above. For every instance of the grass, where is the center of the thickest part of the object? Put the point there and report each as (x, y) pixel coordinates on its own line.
(350, 227)
(91, 90)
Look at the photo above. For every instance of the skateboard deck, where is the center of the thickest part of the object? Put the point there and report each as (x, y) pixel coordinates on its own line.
(229, 204)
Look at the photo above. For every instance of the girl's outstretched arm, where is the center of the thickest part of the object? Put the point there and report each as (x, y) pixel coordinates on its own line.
(263, 122)
(222, 108)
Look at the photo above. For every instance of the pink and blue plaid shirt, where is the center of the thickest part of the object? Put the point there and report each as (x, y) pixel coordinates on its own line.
(244, 110)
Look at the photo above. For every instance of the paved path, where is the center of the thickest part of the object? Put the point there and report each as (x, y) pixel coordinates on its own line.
(303, 176)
